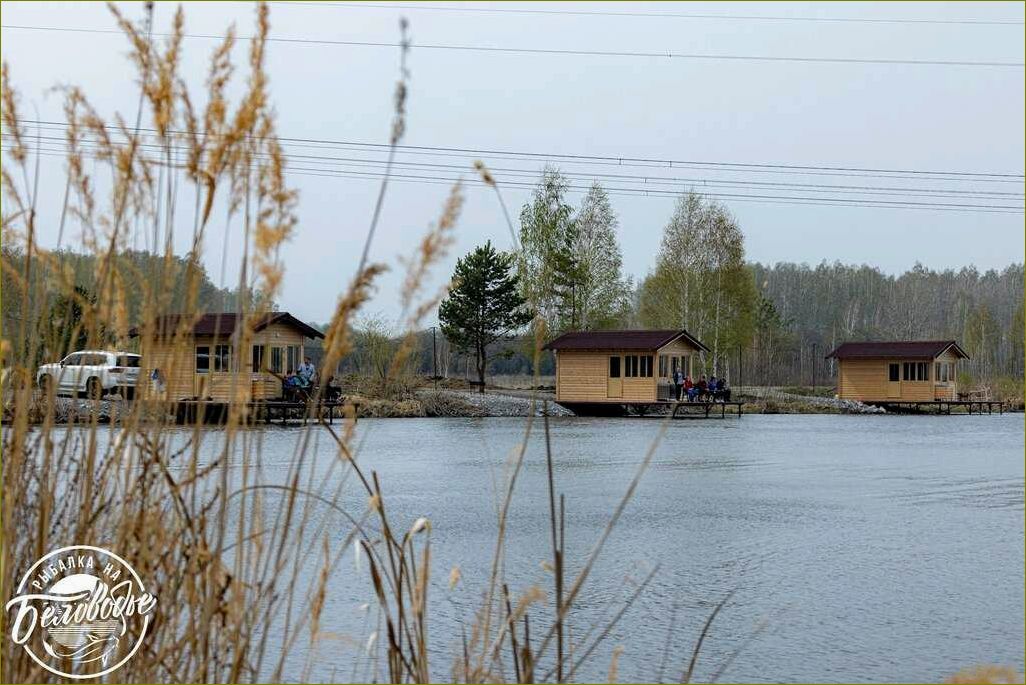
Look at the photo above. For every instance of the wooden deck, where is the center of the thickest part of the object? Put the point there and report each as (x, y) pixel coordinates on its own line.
(682, 410)
(266, 411)
(940, 406)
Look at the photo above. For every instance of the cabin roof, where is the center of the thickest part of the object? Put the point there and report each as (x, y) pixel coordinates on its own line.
(621, 340)
(912, 349)
(224, 324)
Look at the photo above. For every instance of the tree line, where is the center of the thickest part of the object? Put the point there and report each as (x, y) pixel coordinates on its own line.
(765, 324)
(820, 307)
(66, 281)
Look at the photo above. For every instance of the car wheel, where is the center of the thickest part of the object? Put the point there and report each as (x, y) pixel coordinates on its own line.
(46, 386)
(94, 390)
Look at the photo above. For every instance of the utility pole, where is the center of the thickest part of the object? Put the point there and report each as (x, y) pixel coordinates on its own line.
(813, 368)
(434, 357)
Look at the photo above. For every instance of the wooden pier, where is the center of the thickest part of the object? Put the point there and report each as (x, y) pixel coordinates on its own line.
(266, 411)
(680, 409)
(940, 406)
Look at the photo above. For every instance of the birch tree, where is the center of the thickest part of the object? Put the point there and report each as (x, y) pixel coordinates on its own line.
(602, 295)
(546, 238)
(701, 281)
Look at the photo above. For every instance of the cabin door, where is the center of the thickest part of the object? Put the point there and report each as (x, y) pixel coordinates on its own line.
(614, 384)
(893, 381)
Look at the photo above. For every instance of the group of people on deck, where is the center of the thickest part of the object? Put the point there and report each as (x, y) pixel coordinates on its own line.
(303, 378)
(712, 390)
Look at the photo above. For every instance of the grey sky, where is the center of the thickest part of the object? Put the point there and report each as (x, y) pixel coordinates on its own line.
(922, 117)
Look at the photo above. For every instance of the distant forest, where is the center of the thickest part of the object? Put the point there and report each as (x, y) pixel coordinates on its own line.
(833, 303)
(784, 320)
(55, 316)
(809, 310)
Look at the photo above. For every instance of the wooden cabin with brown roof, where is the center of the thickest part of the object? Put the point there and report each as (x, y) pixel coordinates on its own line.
(196, 355)
(914, 371)
(596, 369)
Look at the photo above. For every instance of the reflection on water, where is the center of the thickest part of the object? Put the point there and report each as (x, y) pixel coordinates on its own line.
(862, 548)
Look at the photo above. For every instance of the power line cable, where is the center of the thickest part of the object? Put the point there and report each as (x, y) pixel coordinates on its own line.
(979, 176)
(643, 179)
(564, 51)
(659, 15)
(771, 199)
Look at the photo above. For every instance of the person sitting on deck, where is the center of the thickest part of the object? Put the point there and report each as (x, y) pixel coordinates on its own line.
(703, 388)
(307, 372)
(294, 388)
(711, 392)
(722, 391)
(689, 389)
(332, 390)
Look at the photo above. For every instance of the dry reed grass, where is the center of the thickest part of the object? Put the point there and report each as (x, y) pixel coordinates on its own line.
(224, 553)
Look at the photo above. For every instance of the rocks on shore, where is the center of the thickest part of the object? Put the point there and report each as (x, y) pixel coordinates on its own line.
(501, 404)
(452, 403)
(773, 401)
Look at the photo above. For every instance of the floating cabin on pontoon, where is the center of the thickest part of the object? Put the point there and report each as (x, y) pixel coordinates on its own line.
(602, 372)
(200, 363)
(898, 372)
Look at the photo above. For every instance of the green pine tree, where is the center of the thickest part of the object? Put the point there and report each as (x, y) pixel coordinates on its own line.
(484, 305)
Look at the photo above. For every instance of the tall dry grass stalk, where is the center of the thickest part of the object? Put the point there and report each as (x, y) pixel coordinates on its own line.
(219, 550)
(218, 541)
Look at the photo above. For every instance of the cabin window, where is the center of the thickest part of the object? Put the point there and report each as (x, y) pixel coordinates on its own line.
(663, 366)
(915, 371)
(637, 366)
(944, 372)
(258, 358)
(291, 358)
(276, 360)
(614, 367)
(893, 373)
(222, 357)
(202, 359)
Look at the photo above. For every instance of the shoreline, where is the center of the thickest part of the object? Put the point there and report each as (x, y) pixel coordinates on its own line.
(498, 402)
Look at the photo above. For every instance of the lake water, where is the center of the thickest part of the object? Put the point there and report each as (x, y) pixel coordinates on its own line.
(861, 548)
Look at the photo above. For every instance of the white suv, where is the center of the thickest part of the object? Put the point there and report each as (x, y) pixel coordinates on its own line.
(93, 372)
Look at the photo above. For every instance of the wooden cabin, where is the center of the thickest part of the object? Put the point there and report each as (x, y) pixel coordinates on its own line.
(916, 371)
(616, 368)
(204, 365)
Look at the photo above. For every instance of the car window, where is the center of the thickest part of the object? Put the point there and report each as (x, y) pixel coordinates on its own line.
(73, 359)
(94, 360)
(129, 360)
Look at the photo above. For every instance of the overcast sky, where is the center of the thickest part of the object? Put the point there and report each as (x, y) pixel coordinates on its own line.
(912, 117)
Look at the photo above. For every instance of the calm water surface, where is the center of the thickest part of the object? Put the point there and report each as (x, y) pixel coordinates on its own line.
(861, 548)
